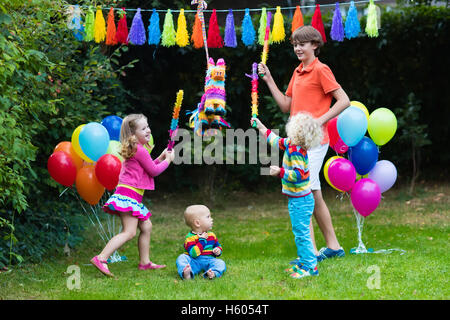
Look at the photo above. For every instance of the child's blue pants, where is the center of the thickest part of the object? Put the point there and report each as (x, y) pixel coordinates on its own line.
(200, 263)
(300, 211)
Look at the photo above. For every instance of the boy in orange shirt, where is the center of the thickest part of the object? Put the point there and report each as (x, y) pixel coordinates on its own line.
(312, 89)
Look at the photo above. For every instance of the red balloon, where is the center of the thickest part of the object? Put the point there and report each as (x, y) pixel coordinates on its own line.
(61, 168)
(107, 170)
(332, 131)
(336, 143)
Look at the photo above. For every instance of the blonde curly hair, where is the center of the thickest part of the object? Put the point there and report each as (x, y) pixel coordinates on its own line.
(127, 137)
(304, 130)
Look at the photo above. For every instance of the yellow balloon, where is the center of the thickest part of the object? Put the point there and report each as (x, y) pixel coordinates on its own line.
(360, 106)
(76, 144)
(325, 171)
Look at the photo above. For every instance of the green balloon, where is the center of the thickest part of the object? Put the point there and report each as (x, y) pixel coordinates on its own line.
(382, 126)
(114, 149)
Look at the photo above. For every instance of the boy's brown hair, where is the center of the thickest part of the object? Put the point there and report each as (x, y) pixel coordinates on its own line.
(307, 34)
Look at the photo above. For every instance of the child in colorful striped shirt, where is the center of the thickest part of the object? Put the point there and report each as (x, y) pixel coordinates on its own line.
(304, 132)
(202, 247)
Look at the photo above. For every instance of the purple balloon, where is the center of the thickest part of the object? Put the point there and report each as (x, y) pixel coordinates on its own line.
(342, 174)
(365, 196)
(384, 174)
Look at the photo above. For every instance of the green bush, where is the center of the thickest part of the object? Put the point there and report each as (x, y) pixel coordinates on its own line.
(50, 84)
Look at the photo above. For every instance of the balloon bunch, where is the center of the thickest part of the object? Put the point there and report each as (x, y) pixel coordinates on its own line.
(361, 175)
(91, 159)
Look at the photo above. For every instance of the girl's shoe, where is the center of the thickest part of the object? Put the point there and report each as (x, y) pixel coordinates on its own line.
(304, 272)
(151, 265)
(100, 266)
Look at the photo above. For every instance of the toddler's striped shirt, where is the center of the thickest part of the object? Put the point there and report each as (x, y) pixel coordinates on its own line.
(196, 246)
(295, 171)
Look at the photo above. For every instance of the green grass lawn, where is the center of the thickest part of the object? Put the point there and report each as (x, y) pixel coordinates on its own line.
(255, 233)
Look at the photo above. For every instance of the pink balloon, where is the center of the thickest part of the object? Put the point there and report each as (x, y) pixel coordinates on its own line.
(342, 174)
(340, 146)
(365, 196)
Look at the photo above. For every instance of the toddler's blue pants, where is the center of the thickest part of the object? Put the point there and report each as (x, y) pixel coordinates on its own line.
(200, 263)
(300, 211)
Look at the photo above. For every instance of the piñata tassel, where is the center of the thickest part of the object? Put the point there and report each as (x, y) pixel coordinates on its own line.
(99, 26)
(337, 28)
(248, 31)
(230, 33)
(352, 26)
(278, 32)
(137, 30)
(111, 29)
(372, 21)
(214, 38)
(262, 26)
(182, 36)
(317, 22)
(74, 22)
(297, 20)
(154, 32)
(168, 37)
(122, 28)
(197, 36)
(90, 19)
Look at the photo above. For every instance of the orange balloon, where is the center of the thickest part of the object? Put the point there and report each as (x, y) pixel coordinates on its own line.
(66, 146)
(88, 186)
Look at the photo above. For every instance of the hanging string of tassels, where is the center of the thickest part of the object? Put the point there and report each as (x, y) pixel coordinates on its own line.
(96, 29)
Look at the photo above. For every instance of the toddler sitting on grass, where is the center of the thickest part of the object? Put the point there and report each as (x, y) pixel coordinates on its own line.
(201, 245)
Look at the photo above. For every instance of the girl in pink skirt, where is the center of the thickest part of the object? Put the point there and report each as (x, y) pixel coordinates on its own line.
(138, 171)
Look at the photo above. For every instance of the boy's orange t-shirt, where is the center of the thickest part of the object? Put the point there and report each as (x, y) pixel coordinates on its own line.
(310, 90)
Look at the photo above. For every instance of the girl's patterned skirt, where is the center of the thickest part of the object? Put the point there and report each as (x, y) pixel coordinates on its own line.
(127, 199)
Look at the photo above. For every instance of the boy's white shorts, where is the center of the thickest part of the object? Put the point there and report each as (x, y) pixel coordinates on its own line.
(316, 157)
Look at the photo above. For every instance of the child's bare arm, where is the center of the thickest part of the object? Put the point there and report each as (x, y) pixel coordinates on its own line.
(342, 102)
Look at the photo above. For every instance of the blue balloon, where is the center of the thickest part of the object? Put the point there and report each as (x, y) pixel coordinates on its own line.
(94, 140)
(364, 155)
(113, 124)
(352, 125)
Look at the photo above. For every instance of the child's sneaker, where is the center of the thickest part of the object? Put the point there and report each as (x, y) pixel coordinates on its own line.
(304, 272)
(326, 253)
(293, 269)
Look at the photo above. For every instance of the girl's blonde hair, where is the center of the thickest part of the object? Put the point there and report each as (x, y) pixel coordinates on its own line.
(127, 137)
(304, 130)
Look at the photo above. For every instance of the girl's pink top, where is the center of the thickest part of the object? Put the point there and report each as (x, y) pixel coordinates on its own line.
(139, 170)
